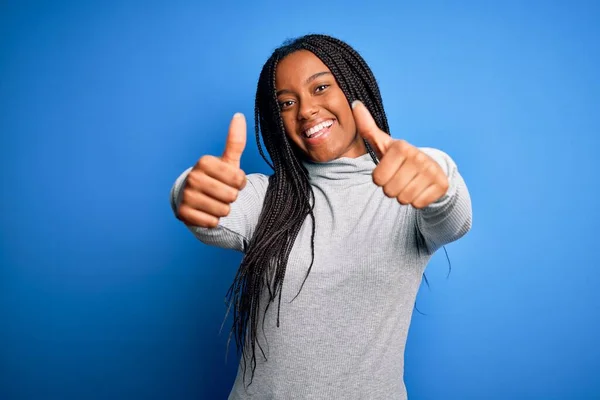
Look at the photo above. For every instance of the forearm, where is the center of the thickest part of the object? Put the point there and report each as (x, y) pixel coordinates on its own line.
(177, 191)
(450, 217)
(234, 230)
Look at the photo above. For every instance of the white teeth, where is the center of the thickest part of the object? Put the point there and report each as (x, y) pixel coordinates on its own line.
(318, 127)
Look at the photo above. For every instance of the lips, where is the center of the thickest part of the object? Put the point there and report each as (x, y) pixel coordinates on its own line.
(318, 132)
(316, 129)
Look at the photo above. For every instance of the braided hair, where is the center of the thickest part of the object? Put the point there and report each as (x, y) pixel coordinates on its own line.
(289, 198)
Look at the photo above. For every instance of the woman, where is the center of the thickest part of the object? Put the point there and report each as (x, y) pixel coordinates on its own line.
(338, 236)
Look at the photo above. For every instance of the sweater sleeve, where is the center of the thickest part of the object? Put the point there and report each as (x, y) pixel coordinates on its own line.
(235, 230)
(448, 218)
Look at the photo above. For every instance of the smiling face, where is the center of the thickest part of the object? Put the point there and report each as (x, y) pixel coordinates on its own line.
(315, 112)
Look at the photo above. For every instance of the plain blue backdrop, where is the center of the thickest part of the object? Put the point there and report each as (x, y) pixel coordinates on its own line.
(105, 295)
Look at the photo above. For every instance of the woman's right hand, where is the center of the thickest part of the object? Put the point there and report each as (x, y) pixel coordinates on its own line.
(214, 182)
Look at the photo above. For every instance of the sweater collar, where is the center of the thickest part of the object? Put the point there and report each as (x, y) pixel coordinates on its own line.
(341, 169)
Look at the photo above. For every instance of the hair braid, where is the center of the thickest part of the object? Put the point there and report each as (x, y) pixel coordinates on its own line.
(289, 199)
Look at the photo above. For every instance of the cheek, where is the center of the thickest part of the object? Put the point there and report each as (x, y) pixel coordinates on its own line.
(346, 117)
(289, 125)
(350, 125)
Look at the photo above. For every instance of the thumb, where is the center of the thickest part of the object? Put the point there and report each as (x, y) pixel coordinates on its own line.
(236, 140)
(368, 129)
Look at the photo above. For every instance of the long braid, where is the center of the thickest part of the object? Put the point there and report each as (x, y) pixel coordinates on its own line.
(289, 199)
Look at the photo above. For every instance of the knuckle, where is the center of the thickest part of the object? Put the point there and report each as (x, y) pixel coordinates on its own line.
(194, 179)
(185, 198)
(202, 183)
(377, 177)
(394, 146)
(221, 210)
(213, 223)
(191, 196)
(233, 195)
(210, 223)
(408, 194)
(445, 185)
(401, 199)
(205, 162)
(418, 204)
(376, 180)
(240, 179)
(421, 158)
(183, 212)
(387, 190)
(431, 168)
(226, 210)
(403, 144)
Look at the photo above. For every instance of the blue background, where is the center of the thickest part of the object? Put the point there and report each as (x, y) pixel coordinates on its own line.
(104, 295)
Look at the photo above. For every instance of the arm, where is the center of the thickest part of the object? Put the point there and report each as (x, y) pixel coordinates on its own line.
(449, 218)
(234, 230)
(425, 178)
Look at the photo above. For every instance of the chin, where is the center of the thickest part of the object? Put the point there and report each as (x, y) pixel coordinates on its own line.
(324, 157)
(321, 156)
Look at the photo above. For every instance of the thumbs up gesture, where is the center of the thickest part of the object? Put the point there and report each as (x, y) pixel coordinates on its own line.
(214, 182)
(404, 171)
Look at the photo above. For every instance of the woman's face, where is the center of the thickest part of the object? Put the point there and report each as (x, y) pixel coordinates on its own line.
(315, 112)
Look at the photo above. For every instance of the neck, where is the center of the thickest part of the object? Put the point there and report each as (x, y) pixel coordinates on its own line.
(341, 169)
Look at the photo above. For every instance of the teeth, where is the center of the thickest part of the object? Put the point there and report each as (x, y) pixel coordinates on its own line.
(318, 127)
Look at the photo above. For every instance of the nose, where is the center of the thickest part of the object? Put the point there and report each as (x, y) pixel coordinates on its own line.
(307, 110)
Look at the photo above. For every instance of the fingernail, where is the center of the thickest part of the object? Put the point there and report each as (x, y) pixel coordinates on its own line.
(238, 115)
(355, 102)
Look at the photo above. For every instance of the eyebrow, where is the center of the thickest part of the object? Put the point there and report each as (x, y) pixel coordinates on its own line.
(309, 80)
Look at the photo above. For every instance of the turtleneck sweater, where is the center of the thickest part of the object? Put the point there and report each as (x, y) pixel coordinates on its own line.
(344, 335)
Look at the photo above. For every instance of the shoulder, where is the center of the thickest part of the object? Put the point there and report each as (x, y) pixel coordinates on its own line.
(258, 179)
(258, 183)
(441, 157)
(435, 153)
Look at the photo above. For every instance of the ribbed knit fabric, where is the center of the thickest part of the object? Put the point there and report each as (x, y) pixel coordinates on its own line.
(344, 336)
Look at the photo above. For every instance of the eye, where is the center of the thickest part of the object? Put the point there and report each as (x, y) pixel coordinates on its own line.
(286, 104)
(320, 88)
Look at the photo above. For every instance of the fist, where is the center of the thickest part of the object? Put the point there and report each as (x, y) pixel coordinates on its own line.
(404, 171)
(214, 182)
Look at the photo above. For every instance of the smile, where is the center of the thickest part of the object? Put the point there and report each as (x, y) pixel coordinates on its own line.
(319, 131)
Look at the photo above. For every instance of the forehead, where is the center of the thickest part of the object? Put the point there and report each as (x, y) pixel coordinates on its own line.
(297, 67)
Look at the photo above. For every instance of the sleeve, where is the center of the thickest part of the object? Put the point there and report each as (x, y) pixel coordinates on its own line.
(449, 218)
(235, 230)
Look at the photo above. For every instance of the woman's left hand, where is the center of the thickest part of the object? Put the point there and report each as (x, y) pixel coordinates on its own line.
(404, 171)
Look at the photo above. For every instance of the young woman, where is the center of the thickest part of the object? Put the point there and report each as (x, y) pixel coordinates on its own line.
(336, 239)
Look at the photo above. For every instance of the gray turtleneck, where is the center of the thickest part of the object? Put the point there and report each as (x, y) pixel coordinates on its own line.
(344, 336)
